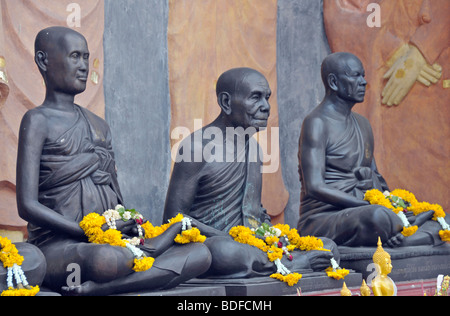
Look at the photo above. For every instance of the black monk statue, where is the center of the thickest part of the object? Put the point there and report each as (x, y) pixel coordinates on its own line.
(217, 180)
(337, 167)
(66, 170)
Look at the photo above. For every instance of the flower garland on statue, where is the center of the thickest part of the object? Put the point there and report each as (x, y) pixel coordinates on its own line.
(275, 248)
(12, 261)
(93, 222)
(400, 201)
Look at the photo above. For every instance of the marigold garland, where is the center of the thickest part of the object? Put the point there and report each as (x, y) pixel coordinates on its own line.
(92, 226)
(413, 205)
(9, 255)
(21, 292)
(337, 274)
(274, 249)
(12, 261)
(143, 264)
(188, 236)
(291, 279)
(377, 197)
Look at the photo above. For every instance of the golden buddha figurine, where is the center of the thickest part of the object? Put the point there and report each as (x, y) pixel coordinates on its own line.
(364, 289)
(345, 291)
(382, 284)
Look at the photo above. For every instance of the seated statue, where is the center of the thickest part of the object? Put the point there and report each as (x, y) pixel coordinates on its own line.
(66, 170)
(337, 166)
(217, 180)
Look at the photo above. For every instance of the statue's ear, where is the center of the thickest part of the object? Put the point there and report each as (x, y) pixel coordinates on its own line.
(41, 60)
(332, 82)
(224, 100)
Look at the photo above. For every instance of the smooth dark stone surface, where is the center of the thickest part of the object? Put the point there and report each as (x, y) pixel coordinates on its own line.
(265, 286)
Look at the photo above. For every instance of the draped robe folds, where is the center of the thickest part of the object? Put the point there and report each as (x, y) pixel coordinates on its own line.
(77, 174)
(229, 192)
(229, 195)
(350, 167)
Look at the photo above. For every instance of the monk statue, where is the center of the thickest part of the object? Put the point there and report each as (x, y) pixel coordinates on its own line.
(217, 180)
(66, 170)
(337, 166)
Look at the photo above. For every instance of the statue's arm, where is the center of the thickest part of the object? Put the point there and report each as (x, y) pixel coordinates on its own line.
(181, 194)
(383, 182)
(32, 135)
(312, 156)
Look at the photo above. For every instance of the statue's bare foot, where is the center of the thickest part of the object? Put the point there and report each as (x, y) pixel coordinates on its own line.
(396, 241)
(85, 289)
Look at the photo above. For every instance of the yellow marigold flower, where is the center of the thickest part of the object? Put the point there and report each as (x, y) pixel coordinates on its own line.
(409, 231)
(309, 243)
(22, 292)
(284, 228)
(143, 264)
(113, 237)
(151, 231)
(337, 274)
(405, 195)
(445, 235)
(293, 236)
(191, 235)
(291, 279)
(274, 253)
(272, 240)
(9, 254)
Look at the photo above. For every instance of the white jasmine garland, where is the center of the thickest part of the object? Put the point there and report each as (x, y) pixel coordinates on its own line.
(281, 269)
(126, 216)
(15, 272)
(403, 218)
(444, 224)
(137, 253)
(334, 264)
(9, 278)
(186, 224)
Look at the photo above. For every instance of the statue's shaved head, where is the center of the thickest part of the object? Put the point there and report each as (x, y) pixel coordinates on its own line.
(53, 37)
(336, 63)
(231, 80)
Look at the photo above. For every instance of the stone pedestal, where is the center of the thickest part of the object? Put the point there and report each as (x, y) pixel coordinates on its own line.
(265, 286)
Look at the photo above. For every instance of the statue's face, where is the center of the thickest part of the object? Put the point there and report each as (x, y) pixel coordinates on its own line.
(250, 103)
(68, 64)
(386, 267)
(351, 82)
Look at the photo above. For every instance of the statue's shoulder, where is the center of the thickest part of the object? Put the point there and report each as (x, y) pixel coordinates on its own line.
(363, 122)
(95, 120)
(36, 116)
(360, 118)
(315, 121)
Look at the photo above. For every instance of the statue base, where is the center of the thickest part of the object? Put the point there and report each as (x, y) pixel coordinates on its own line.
(258, 286)
(409, 263)
(266, 286)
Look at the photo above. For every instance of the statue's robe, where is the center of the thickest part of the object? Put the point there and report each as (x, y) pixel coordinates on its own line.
(77, 174)
(229, 192)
